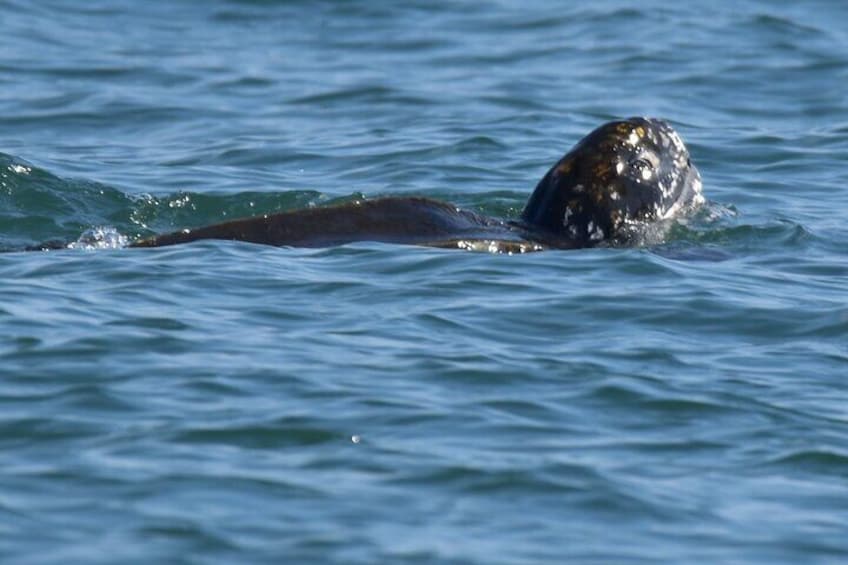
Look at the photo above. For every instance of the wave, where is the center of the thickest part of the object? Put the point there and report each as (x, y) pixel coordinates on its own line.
(43, 211)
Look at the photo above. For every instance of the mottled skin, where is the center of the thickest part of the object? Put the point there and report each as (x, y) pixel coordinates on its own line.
(623, 174)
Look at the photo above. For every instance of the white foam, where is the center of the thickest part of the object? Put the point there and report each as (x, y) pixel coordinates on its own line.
(20, 169)
(101, 237)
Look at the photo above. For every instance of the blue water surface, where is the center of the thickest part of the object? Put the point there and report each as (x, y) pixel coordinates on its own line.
(214, 402)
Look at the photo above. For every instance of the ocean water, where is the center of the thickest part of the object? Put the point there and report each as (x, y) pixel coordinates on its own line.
(223, 402)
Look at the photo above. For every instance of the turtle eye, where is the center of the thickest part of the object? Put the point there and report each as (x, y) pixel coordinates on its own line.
(640, 163)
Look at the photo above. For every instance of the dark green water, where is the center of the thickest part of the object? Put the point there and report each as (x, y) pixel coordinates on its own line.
(227, 402)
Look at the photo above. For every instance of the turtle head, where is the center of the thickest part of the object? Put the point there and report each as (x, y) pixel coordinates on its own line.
(624, 172)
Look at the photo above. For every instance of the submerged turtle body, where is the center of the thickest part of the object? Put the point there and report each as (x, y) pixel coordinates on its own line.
(406, 220)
